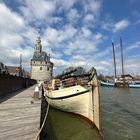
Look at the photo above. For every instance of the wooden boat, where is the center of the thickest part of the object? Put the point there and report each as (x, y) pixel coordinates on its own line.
(107, 83)
(76, 96)
(117, 82)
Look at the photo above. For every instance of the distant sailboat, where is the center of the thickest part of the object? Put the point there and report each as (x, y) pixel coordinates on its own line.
(122, 82)
(108, 82)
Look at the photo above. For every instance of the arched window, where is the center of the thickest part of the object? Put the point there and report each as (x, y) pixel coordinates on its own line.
(40, 68)
(47, 68)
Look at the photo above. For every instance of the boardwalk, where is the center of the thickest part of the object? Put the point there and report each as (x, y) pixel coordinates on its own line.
(20, 116)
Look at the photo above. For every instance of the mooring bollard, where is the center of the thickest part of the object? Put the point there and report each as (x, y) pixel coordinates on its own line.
(40, 85)
(36, 93)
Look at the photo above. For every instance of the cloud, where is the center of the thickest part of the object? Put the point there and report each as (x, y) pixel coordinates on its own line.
(9, 20)
(57, 36)
(137, 22)
(60, 63)
(36, 9)
(65, 5)
(93, 6)
(132, 65)
(113, 26)
(89, 18)
(86, 32)
(107, 25)
(16, 37)
(134, 46)
(73, 15)
(121, 25)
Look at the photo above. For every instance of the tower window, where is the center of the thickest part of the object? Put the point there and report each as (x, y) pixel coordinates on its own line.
(47, 68)
(40, 68)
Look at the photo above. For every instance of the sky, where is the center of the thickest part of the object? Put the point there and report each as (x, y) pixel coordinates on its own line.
(73, 32)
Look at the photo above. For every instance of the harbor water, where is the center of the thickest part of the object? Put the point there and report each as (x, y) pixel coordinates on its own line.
(66, 126)
(120, 113)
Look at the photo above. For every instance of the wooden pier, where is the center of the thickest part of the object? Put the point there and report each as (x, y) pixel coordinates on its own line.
(19, 116)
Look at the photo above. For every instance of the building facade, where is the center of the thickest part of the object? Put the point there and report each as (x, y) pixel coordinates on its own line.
(15, 71)
(41, 66)
(3, 69)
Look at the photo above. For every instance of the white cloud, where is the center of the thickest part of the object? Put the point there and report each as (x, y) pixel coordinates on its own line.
(9, 41)
(37, 9)
(15, 34)
(111, 26)
(73, 15)
(93, 6)
(9, 20)
(132, 66)
(86, 32)
(51, 34)
(65, 4)
(108, 25)
(98, 36)
(57, 36)
(60, 63)
(121, 25)
(134, 45)
(89, 18)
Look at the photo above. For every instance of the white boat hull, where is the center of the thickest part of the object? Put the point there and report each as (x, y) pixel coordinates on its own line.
(79, 103)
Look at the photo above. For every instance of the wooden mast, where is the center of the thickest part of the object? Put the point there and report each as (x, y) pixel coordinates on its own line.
(114, 60)
(122, 60)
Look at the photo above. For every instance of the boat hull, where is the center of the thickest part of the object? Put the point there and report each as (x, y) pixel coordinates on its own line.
(107, 84)
(79, 100)
(134, 85)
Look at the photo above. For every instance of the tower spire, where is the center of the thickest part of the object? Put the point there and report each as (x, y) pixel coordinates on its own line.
(38, 45)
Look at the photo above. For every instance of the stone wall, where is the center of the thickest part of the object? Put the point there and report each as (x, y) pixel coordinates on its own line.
(9, 83)
(41, 72)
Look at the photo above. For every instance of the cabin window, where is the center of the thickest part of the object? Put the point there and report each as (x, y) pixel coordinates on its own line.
(40, 68)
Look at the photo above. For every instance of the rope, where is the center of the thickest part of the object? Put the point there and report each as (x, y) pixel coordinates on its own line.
(36, 138)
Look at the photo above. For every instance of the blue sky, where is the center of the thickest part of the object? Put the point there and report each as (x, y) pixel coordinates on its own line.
(74, 32)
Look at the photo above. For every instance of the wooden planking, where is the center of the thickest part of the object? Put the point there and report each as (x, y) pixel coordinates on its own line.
(20, 116)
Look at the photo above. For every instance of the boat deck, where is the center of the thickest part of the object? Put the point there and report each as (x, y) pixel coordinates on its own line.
(19, 116)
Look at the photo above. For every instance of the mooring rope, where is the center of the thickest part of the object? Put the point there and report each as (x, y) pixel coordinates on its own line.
(36, 138)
